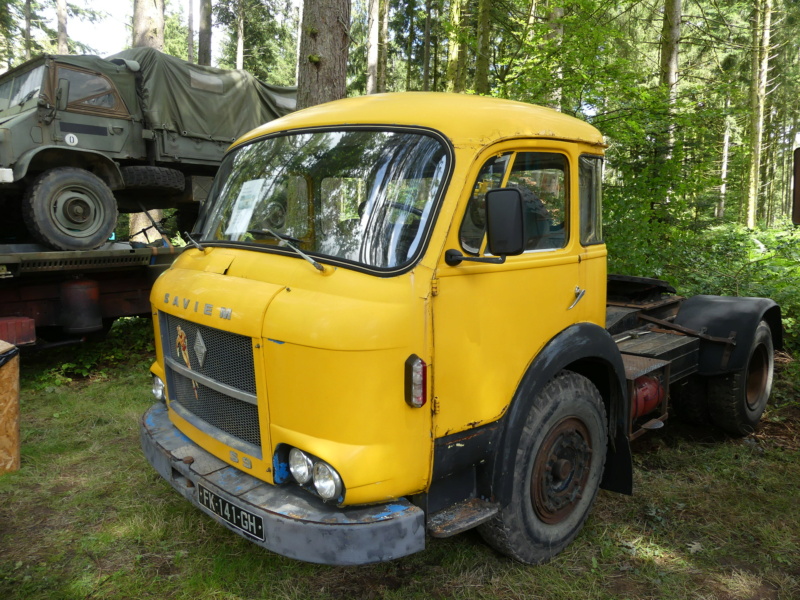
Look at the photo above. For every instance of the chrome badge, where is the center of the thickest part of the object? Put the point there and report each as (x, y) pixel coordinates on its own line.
(182, 349)
(200, 349)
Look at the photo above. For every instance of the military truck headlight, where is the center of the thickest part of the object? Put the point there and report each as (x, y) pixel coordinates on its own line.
(327, 481)
(159, 390)
(300, 466)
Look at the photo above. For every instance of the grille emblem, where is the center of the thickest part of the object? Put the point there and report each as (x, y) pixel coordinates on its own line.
(200, 349)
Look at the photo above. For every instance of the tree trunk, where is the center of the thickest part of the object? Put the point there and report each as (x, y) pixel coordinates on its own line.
(426, 49)
(27, 31)
(762, 19)
(373, 45)
(324, 42)
(726, 149)
(190, 35)
(484, 37)
(148, 24)
(411, 8)
(670, 38)
(61, 13)
(204, 36)
(555, 23)
(453, 46)
(148, 31)
(239, 35)
(383, 46)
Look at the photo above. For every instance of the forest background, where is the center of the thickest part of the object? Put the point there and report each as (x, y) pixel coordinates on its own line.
(697, 100)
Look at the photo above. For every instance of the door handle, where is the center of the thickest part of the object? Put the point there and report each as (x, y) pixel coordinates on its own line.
(578, 297)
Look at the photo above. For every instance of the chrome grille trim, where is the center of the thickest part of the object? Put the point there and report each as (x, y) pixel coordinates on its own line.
(210, 383)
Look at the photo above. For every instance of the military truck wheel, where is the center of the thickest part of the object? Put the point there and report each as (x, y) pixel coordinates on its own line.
(689, 400)
(737, 400)
(69, 209)
(557, 471)
(153, 178)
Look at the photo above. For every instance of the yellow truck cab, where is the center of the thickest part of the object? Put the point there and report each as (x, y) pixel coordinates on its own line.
(395, 321)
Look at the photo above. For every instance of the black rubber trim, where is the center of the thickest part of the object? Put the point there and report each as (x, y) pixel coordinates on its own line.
(81, 128)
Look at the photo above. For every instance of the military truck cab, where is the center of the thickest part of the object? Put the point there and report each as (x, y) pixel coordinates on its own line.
(395, 323)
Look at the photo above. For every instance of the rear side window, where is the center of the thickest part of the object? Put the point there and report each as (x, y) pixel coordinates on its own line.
(591, 198)
(89, 90)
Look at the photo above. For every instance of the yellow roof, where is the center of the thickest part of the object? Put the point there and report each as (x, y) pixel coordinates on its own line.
(462, 118)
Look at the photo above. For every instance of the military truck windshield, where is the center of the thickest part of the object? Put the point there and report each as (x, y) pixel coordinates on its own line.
(18, 90)
(361, 196)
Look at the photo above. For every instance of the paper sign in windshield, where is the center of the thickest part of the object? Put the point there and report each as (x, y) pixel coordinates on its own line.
(244, 206)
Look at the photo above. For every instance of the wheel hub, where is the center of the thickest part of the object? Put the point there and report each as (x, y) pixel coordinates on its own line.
(757, 375)
(561, 470)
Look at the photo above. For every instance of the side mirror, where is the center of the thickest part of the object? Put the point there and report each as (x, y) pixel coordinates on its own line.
(62, 94)
(505, 222)
(796, 190)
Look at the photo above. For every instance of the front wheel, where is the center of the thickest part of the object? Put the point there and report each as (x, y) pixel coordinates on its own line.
(557, 471)
(737, 400)
(69, 209)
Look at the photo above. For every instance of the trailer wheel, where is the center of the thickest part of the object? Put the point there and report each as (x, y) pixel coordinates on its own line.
(160, 179)
(737, 400)
(689, 399)
(69, 209)
(557, 471)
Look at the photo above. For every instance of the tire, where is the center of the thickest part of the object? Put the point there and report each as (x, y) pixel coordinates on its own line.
(737, 400)
(689, 400)
(153, 179)
(69, 209)
(565, 433)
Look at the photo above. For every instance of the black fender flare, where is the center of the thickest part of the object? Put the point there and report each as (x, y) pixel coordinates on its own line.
(589, 350)
(48, 157)
(723, 316)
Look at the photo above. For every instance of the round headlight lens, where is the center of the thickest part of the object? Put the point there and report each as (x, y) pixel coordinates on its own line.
(327, 481)
(300, 466)
(159, 389)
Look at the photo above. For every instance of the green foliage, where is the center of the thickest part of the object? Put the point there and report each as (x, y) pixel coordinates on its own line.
(129, 340)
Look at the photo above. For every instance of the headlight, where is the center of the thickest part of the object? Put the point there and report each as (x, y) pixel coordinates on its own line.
(327, 481)
(300, 466)
(159, 389)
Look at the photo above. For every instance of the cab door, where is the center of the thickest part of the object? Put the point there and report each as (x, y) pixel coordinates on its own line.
(490, 320)
(96, 118)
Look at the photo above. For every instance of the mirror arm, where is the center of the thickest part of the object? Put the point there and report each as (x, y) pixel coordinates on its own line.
(454, 258)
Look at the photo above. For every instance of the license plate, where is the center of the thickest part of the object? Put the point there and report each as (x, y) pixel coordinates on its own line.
(247, 522)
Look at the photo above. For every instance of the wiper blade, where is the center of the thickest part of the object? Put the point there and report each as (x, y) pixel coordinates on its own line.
(286, 240)
(275, 234)
(193, 242)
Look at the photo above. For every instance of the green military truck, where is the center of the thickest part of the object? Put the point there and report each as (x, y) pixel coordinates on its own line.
(83, 137)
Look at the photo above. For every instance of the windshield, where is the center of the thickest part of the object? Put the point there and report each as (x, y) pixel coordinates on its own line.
(20, 89)
(361, 196)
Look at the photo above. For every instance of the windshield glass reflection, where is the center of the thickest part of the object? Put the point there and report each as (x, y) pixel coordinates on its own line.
(362, 196)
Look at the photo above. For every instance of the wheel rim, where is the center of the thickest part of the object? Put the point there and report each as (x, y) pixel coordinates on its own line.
(77, 212)
(757, 376)
(561, 470)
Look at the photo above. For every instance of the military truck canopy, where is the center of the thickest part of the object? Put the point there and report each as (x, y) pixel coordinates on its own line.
(202, 102)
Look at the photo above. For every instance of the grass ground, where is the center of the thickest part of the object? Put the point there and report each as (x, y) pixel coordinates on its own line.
(86, 517)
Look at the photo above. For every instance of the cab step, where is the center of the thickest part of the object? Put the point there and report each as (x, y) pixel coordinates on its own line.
(461, 517)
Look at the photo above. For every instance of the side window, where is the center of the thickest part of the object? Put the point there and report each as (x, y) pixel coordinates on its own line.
(541, 177)
(590, 184)
(473, 227)
(89, 90)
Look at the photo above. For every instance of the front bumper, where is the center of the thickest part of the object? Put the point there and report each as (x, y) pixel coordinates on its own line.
(295, 523)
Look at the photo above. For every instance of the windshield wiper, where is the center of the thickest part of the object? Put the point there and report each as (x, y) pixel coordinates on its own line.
(193, 242)
(286, 240)
(275, 234)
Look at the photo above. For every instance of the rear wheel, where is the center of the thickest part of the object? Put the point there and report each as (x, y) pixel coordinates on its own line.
(69, 209)
(557, 471)
(737, 400)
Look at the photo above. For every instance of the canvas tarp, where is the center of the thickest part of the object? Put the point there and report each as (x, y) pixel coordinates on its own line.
(203, 102)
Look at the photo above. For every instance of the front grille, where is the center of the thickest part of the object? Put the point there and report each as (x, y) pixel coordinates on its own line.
(227, 360)
(231, 415)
